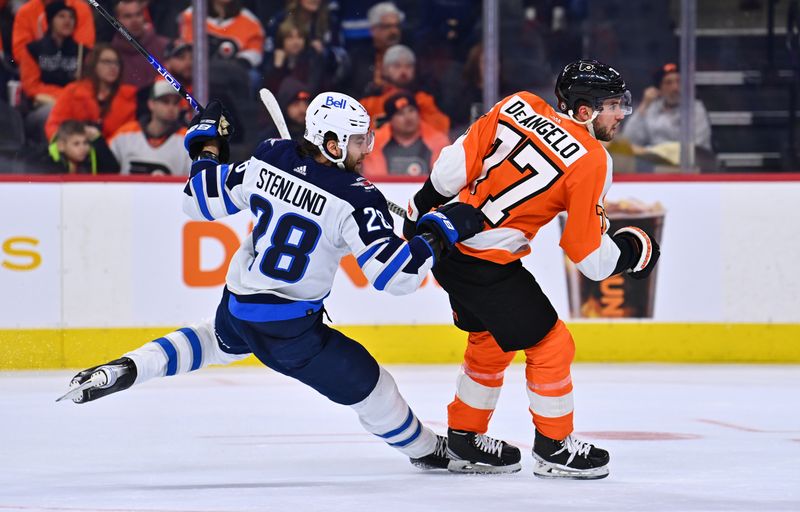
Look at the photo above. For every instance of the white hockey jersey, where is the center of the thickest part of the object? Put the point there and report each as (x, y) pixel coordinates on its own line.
(136, 155)
(307, 216)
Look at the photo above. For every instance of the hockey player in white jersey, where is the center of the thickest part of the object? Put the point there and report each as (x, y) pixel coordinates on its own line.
(310, 207)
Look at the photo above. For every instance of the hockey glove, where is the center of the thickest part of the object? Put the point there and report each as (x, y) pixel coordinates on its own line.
(452, 223)
(643, 252)
(211, 124)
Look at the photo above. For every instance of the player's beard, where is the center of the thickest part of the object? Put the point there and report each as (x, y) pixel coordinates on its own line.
(353, 164)
(603, 133)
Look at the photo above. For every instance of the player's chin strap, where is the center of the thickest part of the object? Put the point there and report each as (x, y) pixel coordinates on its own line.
(588, 122)
(338, 161)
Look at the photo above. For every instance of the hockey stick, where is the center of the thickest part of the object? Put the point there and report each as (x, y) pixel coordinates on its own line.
(274, 111)
(161, 70)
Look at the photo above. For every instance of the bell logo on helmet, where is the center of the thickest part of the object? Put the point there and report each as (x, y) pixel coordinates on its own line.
(332, 102)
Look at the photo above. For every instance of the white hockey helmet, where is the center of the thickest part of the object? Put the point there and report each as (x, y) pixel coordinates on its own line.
(338, 113)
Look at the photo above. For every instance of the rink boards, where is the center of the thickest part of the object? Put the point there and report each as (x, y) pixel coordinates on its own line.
(88, 270)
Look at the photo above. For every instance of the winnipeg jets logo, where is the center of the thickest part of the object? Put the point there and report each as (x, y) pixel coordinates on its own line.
(300, 170)
(363, 182)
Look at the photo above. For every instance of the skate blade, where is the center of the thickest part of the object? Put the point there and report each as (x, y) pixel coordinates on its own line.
(94, 380)
(475, 468)
(544, 469)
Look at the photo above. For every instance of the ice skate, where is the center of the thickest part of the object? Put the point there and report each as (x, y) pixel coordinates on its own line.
(471, 452)
(437, 459)
(99, 381)
(570, 458)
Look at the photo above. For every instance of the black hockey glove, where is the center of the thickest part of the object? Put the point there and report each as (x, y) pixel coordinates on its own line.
(639, 252)
(452, 223)
(211, 124)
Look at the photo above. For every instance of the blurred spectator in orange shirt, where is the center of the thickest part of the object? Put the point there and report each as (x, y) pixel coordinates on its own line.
(405, 145)
(30, 24)
(137, 70)
(399, 73)
(234, 32)
(47, 65)
(100, 98)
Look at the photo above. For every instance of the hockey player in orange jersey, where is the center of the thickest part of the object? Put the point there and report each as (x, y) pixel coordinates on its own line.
(522, 163)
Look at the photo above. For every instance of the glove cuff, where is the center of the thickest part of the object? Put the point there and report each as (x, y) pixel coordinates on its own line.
(645, 246)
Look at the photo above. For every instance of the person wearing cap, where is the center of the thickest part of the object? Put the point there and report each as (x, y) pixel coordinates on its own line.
(138, 71)
(178, 61)
(48, 64)
(293, 98)
(154, 144)
(399, 73)
(656, 120)
(30, 24)
(405, 145)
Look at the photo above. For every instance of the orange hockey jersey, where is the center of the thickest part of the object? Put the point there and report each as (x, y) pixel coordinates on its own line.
(239, 37)
(522, 164)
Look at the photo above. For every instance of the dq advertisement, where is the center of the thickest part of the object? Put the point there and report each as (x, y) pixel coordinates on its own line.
(125, 255)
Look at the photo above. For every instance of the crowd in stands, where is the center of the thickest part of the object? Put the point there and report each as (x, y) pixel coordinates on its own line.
(79, 98)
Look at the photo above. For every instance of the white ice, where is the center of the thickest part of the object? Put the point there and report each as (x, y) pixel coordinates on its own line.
(247, 439)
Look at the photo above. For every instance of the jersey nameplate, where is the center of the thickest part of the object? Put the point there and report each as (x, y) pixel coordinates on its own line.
(289, 191)
(565, 147)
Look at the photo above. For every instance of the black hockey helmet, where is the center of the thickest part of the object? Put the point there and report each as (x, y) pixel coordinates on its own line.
(589, 81)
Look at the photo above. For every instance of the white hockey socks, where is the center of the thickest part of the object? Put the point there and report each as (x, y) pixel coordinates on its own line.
(181, 351)
(386, 414)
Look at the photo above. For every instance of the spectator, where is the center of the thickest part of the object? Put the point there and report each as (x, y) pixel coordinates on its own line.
(138, 72)
(293, 58)
(30, 24)
(319, 22)
(657, 118)
(293, 98)
(154, 144)
(178, 61)
(314, 17)
(48, 65)
(163, 15)
(405, 145)
(399, 73)
(385, 27)
(464, 103)
(235, 33)
(71, 152)
(236, 46)
(100, 98)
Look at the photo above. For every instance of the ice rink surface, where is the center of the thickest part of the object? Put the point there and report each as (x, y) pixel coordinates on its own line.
(681, 438)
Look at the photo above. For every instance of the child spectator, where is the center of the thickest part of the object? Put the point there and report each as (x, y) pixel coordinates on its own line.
(154, 144)
(137, 70)
(48, 65)
(30, 24)
(293, 58)
(319, 23)
(399, 73)
(100, 98)
(405, 145)
(71, 152)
